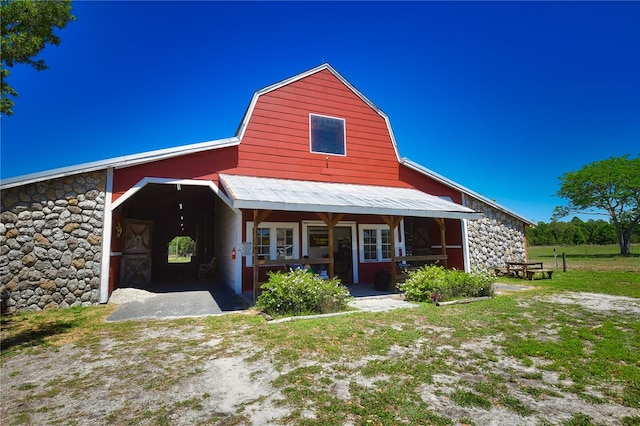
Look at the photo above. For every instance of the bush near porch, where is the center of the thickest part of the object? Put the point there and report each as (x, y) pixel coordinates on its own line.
(299, 292)
(439, 284)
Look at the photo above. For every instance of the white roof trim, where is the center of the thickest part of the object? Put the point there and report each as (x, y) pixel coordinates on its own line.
(433, 175)
(245, 120)
(119, 162)
(249, 192)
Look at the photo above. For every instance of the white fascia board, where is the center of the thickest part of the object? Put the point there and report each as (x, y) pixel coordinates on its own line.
(170, 181)
(119, 162)
(448, 182)
(245, 120)
(107, 225)
(162, 154)
(271, 205)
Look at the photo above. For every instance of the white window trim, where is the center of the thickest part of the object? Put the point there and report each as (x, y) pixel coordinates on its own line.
(378, 229)
(344, 126)
(399, 245)
(273, 243)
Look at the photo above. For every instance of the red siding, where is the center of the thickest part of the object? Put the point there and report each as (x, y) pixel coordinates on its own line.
(203, 165)
(426, 184)
(279, 130)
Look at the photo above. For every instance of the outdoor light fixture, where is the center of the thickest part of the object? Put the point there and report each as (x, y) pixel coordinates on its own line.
(180, 206)
(179, 187)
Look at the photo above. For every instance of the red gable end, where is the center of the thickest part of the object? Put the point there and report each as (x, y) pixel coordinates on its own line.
(276, 140)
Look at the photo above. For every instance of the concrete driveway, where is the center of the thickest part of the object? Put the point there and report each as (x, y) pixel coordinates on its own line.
(174, 300)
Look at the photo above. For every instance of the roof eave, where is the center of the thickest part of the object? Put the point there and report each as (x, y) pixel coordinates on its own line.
(433, 175)
(118, 162)
(269, 205)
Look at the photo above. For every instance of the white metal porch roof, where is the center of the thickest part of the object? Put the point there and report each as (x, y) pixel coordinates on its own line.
(248, 192)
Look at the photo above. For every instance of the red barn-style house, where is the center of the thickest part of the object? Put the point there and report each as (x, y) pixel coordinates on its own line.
(314, 170)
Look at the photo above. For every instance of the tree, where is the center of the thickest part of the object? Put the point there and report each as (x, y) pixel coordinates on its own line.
(612, 186)
(27, 26)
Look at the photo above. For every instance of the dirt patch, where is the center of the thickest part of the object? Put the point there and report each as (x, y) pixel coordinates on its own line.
(184, 376)
(598, 302)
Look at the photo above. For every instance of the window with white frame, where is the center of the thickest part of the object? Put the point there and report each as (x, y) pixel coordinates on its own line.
(375, 243)
(264, 243)
(276, 240)
(327, 134)
(284, 243)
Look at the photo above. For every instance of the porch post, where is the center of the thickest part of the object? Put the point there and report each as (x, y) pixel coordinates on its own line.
(393, 222)
(331, 221)
(258, 218)
(443, 239)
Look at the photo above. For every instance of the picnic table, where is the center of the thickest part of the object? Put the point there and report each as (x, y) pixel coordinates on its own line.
(523, 270)
(519, 269)
(527, 269)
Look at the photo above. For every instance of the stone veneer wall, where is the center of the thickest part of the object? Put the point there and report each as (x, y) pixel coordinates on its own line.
(51, 243)
(495, 239)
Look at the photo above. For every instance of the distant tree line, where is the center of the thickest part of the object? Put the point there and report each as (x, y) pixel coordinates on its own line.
(576, 232)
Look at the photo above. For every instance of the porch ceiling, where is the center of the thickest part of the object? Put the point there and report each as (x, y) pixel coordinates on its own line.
(248, 192)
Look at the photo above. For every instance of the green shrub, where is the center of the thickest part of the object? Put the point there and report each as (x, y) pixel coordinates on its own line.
(438, 283)
(300, 292)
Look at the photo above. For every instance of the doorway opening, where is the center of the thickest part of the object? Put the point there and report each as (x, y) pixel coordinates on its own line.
(181, 249)
(179, 223)
(317, 246)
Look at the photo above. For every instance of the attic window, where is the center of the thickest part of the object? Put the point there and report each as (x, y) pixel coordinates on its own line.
(327, 134)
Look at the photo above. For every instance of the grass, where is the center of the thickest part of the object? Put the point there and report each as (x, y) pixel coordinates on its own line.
(594, 269)
(430, 365)
(604, 258)
(172, 258)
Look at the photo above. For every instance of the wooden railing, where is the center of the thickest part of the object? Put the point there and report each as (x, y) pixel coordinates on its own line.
(426, 259)
(268, 263)
(285, 262)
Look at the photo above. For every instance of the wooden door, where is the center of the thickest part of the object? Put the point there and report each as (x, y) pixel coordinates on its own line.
(136, 253)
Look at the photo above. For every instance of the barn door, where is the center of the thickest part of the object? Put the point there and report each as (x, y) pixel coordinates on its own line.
(136, 253)
(417, 236)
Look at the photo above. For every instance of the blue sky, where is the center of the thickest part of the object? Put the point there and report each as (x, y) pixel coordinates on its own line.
(501, 97)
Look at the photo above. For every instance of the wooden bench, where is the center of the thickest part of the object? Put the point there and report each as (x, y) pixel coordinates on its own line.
(509, 272)
(531, 272)
(500, 271)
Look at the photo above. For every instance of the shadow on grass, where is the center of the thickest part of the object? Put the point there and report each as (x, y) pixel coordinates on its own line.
(30, 336)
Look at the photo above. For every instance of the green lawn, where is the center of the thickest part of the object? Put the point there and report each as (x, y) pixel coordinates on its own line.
(178, 259)
(592, 258)
(596, 269)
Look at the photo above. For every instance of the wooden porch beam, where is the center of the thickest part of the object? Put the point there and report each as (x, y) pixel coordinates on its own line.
(331, 221)
(258, 218)
(443, 238)
(393, 222)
